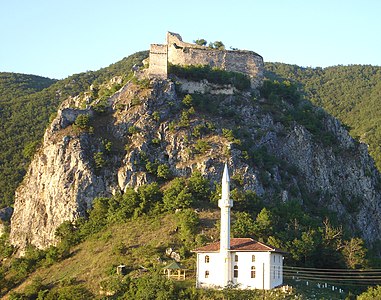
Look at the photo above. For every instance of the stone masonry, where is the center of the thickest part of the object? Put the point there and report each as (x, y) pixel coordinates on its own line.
(178, 52)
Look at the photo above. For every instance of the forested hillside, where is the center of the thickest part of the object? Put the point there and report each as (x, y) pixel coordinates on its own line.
(273, 137)
(350, 93)
(26, 104)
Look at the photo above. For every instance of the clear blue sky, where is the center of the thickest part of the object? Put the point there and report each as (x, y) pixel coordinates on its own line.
(58, 38)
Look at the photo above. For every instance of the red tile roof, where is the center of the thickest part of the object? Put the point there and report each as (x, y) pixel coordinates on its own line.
(240, 244)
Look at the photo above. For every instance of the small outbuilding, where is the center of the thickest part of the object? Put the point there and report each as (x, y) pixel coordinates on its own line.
(174, 271)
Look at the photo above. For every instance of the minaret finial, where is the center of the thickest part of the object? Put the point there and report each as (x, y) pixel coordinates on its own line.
(225, 188)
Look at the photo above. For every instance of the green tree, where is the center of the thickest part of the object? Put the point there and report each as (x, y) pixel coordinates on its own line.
(304, 247)
(163, 171)
(371, 294)
(82, 121)
(97, 217)
(263, 225)
(199, 186)
(152, 287)
(188, 100)
(243, 225)
(200, 42)
(99, 160)
(187, 221)
(354, 253)
(177, 195)
(149, 197)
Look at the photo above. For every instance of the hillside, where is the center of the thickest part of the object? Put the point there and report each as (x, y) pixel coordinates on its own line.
(26, 104)
(89, 269)
(125, 152)
(350, 93)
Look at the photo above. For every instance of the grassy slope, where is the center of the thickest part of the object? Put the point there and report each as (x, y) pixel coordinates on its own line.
(145, 239)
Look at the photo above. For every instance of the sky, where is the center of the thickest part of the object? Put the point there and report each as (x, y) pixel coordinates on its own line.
(56, 39)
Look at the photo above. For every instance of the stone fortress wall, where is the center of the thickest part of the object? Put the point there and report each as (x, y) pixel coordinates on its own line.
(158, 61)
(178, 52)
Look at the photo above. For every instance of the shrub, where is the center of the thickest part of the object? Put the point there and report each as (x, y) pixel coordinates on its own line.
(163, 171)
(156, 116)
(177, 195)
(201, 146)
(215, 75)
(133, 130)
(201, 42)
(82, 121)
(99, 160)
(187, 101)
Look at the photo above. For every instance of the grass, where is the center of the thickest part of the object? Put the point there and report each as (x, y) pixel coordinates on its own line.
(143, 241)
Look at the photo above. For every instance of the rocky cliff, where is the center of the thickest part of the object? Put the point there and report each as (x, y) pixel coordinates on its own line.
(122, 140)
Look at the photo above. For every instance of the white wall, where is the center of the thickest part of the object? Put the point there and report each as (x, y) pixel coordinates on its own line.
(216, 273)
(265, 264)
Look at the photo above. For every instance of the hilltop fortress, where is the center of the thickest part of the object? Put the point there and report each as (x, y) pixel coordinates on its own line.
(177, 52)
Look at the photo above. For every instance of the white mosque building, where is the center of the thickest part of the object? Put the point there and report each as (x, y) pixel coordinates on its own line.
(240, 262)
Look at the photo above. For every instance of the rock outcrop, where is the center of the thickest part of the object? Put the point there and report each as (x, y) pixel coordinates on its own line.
(148, 123)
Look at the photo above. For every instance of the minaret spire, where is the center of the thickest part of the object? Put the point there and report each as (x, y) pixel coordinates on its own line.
(225, 203)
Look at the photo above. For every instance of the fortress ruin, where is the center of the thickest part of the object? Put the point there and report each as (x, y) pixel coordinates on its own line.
(177, 52)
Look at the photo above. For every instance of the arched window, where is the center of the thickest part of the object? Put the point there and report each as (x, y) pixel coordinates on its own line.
(252, 271)
(253, 258)
(236, 257)
(206, 259)
(206, 274)
(235, 272)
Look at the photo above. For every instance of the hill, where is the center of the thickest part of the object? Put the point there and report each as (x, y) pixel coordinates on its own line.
(300, 182)
(88, 270)
(350, 93)
(27, 103)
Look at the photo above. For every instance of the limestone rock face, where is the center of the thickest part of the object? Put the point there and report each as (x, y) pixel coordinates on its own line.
(60, 185)
(148, 124)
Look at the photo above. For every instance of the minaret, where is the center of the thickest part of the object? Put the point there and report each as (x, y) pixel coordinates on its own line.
(225, 203)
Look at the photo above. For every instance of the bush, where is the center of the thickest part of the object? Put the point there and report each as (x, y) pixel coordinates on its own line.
(133, 130)
(187, 222)
(99, 160)
(213, 75)
(163, 171)
(177, 195)
(82, 121)
(199, 186)
(201, 146)
(371, 293)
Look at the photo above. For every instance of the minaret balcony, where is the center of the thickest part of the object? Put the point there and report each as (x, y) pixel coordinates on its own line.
(225, 203)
